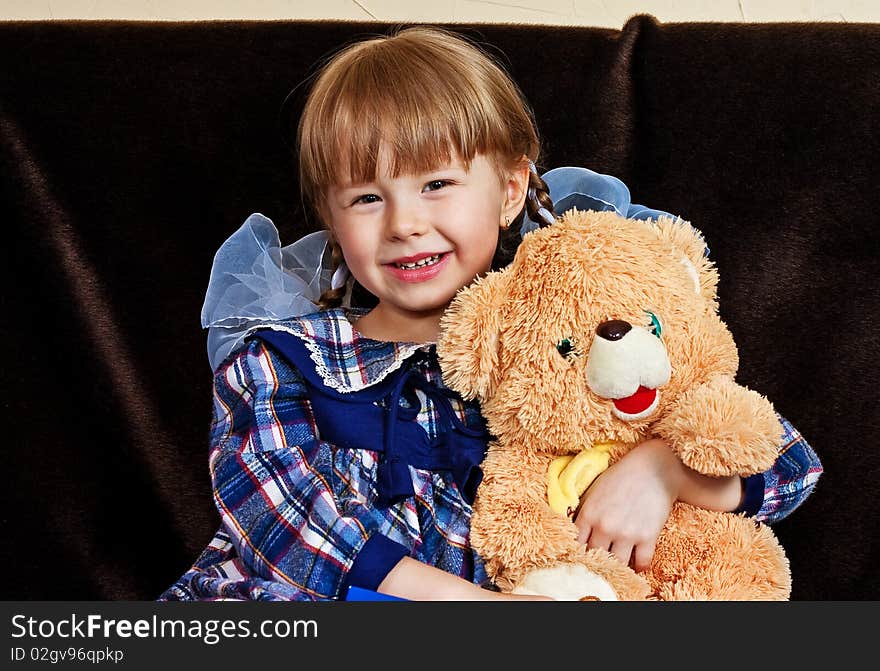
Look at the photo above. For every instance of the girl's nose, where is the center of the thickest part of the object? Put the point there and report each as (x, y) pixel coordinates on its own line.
(405, 220)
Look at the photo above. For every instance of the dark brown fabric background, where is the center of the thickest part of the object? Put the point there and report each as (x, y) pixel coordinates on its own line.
(130, 151)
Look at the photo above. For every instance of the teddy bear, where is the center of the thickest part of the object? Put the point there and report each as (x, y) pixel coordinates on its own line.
(602, 332)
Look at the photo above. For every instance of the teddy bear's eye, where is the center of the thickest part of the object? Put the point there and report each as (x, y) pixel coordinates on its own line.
(654, 327)
(566, 347)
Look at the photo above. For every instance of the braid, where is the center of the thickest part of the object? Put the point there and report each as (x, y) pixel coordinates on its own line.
(541, 200)
(508, 241)
(332, 298)
(510, 237)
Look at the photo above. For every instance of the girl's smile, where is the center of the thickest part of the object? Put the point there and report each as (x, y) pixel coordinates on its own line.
(418, 268)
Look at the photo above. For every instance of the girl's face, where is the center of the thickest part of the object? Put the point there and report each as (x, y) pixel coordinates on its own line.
(414, 240)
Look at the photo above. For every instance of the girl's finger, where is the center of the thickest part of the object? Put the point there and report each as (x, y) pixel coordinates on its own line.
(599, 542)
(583, 533)
(644, 553)
(623, 551)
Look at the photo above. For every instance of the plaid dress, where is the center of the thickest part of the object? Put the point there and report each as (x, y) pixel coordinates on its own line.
(299, 519)
(299, 514)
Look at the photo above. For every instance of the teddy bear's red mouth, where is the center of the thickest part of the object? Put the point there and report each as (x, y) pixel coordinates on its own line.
(637, 403)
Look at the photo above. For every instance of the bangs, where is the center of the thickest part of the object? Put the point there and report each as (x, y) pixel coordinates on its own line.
(422, 106)
(418, 129)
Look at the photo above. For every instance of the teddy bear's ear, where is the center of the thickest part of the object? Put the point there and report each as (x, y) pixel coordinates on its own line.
(469, 331)
(694, 254)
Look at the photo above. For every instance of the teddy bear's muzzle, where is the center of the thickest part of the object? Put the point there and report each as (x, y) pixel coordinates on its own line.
(627, 365)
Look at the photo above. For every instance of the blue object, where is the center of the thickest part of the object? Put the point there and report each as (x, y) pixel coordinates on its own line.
(361, 594)
(584, 189)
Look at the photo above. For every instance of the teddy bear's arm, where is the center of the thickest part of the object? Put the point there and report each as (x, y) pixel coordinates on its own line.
(722, 428)
(513, 528)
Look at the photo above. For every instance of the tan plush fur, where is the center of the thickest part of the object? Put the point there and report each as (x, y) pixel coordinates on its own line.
(499, 345)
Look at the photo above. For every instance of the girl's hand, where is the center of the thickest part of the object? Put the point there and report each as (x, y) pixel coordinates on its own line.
(625, 509)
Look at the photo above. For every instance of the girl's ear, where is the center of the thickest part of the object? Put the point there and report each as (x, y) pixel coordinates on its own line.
(468, 346)
(516, 188)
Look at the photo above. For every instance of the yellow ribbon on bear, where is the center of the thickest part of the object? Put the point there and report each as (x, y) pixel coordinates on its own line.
(569, 477)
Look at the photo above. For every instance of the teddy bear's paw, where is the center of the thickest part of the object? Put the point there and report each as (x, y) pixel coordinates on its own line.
(722, 428)
(566, 582)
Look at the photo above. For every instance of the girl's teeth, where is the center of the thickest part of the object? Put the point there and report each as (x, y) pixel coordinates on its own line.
(430, 260)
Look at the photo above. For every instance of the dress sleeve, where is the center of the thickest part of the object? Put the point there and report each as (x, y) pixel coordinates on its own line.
(776, 493)
(272, 483)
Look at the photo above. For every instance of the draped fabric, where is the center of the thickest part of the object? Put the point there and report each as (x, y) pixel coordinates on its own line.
(129, 151)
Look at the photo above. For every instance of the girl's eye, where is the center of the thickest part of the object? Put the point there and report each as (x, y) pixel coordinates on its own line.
(366, 199)
(654, 326)
(436, 184)
(566, 347)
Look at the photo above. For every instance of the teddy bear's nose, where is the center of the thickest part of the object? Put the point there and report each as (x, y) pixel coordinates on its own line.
(613, 329)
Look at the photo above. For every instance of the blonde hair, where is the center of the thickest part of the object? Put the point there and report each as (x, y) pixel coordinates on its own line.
(425, 94)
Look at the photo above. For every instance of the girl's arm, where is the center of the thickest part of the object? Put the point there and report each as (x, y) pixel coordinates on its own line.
(769, 496)
(776, 493)
(626, 508)
(272, 486)
(411, 579)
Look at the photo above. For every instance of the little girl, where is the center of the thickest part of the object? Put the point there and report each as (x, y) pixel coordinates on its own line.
(339, 458)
